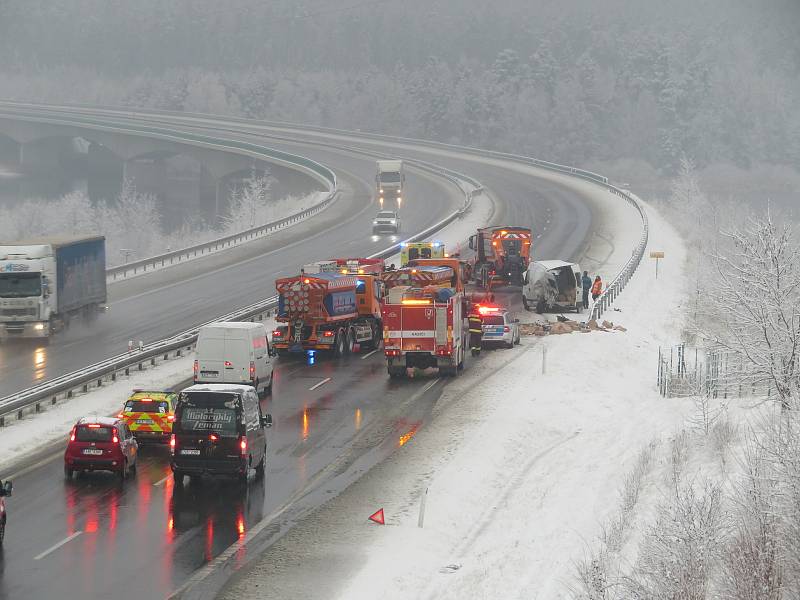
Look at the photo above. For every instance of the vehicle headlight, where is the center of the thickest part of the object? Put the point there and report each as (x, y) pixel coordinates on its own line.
(381, 190)
(39, 326)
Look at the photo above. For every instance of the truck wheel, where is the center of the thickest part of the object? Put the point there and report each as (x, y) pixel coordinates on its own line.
(339, 344)
(377, 335)
(525, 304)
(540, 306)
(351, 340)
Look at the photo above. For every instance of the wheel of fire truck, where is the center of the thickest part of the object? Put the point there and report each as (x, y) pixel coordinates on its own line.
(339, 342)
(377, 334)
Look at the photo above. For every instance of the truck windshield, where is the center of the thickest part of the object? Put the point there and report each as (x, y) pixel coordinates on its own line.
(390, 177)
(20, 285)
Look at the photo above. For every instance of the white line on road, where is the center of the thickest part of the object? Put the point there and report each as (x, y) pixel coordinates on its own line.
(368, 354)
(58, 545)
(321, 383)
(161, 481)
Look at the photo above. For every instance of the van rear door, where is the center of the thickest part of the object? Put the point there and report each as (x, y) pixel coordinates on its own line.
(239, 355)
(211, 355)
(209, 426)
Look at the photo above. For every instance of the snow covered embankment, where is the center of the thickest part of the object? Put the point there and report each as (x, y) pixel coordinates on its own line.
(521, 471)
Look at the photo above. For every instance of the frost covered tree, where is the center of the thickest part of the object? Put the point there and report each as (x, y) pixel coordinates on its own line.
(753, 307)
(249, 203)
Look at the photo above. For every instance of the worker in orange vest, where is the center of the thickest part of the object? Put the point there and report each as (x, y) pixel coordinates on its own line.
(597, 287)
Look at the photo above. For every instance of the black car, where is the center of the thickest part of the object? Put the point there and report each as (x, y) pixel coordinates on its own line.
(5, 490)
(218, 430)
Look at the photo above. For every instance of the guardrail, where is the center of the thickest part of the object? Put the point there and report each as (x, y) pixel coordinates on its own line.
(229, 241)
(33, 399)
(319, 171)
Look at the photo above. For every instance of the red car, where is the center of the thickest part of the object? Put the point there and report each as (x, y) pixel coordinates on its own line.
(101, 444)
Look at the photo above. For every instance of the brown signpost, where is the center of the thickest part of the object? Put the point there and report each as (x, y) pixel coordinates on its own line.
(658, 255)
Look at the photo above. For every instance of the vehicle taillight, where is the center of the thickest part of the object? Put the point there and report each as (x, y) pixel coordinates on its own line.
(72, 435)
(172, 443)
(277, 333)
(243, 446)
(195, 369)
(119, 415)
(213, 437)
(327, 334)
(252, 371)
(506, 329)
(115, 439)
(228, 363)
(170, 418)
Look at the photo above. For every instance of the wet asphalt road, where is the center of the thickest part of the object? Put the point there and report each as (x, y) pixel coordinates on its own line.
(142, 539)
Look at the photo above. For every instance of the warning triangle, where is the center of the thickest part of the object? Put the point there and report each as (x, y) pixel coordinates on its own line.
(377, 517)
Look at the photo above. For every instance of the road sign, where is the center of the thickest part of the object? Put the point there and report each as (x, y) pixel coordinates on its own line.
(377, 517)
(658, 255)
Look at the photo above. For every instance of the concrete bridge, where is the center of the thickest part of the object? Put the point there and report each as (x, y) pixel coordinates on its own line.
(44, 146)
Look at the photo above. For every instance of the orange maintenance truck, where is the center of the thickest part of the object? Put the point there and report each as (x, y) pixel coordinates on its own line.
(329, 310)
(502, 254)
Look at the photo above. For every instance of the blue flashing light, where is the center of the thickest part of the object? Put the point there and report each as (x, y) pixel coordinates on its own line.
(436, 244)
(403, 244)
(311, 357)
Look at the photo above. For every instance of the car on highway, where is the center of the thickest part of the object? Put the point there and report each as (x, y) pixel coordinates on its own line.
(386, 221)
(5, 491)
(499, 327)
(149, 415)
(101, 444)
(219, 429)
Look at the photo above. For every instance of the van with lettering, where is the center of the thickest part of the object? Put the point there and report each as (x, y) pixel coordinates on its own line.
(234, 352)
(219, 429)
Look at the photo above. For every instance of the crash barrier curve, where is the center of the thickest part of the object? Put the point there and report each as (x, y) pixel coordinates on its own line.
(35, 399)
(316, 170)
(603, 302)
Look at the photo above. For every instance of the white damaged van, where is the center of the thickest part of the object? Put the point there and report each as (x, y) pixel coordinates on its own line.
(234, 352)
(550, 284)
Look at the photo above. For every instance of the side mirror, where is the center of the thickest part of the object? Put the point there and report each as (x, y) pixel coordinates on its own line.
(6, 489)
(266, 421)
(472, 242)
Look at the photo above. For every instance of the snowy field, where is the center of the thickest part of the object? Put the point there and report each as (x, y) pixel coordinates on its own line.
(521, 471)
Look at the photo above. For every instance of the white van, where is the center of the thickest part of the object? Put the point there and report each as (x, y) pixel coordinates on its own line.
(552, 283)
(233, 352)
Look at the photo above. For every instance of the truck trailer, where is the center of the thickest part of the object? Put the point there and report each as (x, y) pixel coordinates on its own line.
(45, 283)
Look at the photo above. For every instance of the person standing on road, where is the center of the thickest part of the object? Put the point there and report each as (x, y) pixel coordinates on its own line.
(475, 332)
(586, 284)
(597, 288)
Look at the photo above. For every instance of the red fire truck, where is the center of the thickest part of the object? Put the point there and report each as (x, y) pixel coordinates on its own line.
(423, 327)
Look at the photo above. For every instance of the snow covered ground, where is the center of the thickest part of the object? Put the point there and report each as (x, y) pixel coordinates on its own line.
(521, 471)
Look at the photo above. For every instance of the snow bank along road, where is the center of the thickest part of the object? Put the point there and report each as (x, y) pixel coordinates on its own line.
(324, 437)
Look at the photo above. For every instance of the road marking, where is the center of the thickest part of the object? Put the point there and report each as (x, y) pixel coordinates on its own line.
(58, 545)
(161, 481)
(35, 465)
(321, 383)
(368, 354)
(430, 385)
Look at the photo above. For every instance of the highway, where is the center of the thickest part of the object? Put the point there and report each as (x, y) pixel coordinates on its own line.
(94, 538)
(155, 306)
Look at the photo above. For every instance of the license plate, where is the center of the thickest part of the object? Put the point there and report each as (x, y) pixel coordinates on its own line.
(95, 451)
(191, 451)
(144, 422)
(209, 373)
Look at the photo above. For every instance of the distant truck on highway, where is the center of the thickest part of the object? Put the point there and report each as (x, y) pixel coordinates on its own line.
(45, 283)
(390, 179)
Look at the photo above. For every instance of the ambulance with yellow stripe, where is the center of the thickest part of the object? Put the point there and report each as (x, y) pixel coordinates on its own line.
(149, 415)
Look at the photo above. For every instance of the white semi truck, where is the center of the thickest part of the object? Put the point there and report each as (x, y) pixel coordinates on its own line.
(390, 180)
(44, 283)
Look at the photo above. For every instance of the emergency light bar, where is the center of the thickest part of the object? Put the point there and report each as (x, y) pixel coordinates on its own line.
(415, 302)
(484, 310)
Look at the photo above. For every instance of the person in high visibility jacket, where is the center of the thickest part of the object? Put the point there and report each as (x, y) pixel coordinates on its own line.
(597, 287)
(475, 331)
